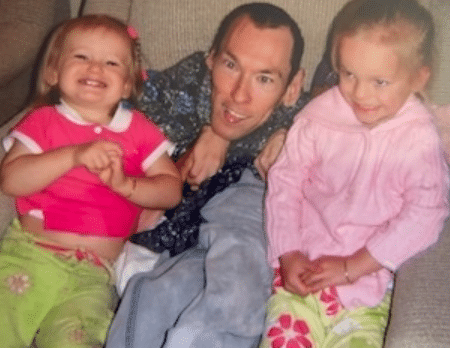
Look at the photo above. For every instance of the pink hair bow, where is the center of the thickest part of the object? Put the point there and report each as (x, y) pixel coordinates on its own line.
(132, 32)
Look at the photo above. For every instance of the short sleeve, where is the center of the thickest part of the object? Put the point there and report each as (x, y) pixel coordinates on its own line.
(150, 140)
(31, 131)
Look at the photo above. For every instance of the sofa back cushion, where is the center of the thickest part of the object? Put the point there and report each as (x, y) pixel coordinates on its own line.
(172, 29)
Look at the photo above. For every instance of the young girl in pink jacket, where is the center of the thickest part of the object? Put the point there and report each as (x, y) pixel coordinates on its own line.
(360, 186)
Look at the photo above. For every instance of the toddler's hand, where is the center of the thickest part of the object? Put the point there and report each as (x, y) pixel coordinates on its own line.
(293, 267)
(114, 177)
(96, 156)
(330, 271)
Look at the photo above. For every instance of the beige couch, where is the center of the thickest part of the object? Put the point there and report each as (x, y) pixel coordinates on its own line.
(171, 29)
(23, 26)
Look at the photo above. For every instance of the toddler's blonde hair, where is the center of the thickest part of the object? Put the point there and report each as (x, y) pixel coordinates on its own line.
(403, 23)
(47, 94)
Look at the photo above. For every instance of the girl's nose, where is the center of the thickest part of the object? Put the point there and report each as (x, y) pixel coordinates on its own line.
(361, 90)
(95, 65)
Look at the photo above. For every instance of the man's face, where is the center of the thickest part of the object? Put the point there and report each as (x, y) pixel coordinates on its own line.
(249, 77)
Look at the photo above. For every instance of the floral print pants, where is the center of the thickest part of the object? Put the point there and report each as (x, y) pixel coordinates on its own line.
(58, 299)
(320, 321)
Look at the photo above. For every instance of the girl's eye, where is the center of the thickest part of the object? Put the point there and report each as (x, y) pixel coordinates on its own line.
(112, 63)
(381, 83)
(80, 56)
(346, 74)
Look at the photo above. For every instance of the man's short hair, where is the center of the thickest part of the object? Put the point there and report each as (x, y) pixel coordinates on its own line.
(264, 15)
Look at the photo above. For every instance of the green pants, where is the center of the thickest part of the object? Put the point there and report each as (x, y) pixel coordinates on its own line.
(319, 320)
(57, 300)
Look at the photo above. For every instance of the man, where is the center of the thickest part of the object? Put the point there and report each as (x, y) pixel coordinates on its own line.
(213, 295)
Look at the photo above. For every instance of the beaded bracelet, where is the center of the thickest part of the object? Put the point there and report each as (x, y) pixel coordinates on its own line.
(347, 277)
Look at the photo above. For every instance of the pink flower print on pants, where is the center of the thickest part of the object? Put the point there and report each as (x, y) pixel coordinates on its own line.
(289, 333)
(329, 297)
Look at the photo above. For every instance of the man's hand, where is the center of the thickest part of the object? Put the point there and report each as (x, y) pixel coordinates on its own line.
(270, 152)
(293, 267)
(204, 159)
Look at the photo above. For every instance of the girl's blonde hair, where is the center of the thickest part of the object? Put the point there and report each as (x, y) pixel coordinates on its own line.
(47, 94)
(404, 23)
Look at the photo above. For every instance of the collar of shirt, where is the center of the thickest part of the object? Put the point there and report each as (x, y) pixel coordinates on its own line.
(119, 123)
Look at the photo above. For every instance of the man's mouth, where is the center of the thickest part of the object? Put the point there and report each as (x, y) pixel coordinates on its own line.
(233, 117)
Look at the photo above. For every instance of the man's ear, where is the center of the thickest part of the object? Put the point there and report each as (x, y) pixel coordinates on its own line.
(210, 59)
(294, 89)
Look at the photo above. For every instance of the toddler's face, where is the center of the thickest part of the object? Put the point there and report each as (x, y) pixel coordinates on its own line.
(374, 80)
(93, 74)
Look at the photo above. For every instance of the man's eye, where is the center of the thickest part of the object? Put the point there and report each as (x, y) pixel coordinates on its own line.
(112, 63)
(265, 79)
(229, 63)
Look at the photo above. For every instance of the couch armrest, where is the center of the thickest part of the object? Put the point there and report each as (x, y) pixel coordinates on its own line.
(7, 209)
(420, 313)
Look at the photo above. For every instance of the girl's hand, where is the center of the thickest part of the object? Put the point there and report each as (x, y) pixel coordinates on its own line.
(114, 177)
(96, 156)
(341, 270)
(330, 270)
(293, 267)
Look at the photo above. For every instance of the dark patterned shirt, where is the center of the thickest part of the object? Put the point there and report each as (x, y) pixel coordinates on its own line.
(178, 100)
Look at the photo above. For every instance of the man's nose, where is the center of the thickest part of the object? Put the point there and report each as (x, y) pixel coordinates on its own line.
(241, 92)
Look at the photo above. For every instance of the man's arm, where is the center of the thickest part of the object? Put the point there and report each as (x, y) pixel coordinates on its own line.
(204, 158)
(270, 152)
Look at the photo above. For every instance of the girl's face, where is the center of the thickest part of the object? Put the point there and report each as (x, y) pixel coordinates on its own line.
(93, 73)
(373, 78)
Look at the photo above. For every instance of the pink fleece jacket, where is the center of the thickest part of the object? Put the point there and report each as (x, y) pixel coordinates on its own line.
(338, 186)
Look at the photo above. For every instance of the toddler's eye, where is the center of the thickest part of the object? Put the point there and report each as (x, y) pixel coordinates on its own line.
(81, 56)
(381, 83)
(346, 74)
(112, 63)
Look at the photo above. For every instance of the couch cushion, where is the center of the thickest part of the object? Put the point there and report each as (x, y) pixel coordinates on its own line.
(173, 29)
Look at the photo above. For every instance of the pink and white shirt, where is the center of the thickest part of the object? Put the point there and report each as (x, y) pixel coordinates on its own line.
(78, 201)
(338, 186)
